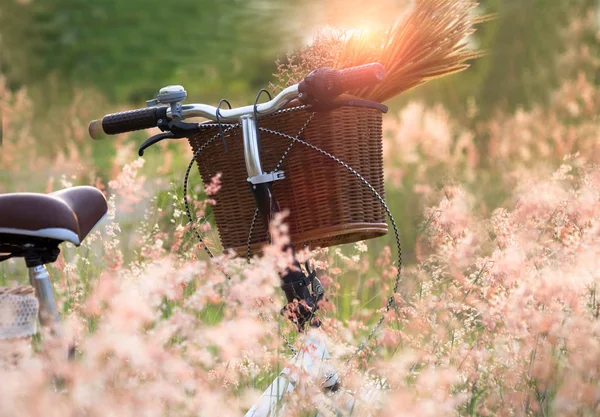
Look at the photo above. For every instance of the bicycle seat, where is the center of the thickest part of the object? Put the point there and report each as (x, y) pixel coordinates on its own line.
(65, 215)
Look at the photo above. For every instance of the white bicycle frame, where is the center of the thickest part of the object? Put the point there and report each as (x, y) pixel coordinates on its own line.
(310, 360)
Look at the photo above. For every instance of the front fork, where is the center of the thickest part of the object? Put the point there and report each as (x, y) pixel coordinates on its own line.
(298, 287)
(305, 289)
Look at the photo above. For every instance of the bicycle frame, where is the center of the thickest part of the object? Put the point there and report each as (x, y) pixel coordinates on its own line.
(308, 360)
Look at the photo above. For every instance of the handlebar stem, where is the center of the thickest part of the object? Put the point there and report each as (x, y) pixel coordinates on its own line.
(246, 116)
(251, 146)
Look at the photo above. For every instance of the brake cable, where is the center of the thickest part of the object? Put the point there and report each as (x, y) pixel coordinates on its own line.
(186, 180)
(221, 124)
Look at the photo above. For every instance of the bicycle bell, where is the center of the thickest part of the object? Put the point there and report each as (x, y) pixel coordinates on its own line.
(171, 95)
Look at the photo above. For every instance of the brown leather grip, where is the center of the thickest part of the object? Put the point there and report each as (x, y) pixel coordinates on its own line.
(356, 77)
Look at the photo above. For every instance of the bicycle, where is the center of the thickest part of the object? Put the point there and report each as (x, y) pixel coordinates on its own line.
(38, 243)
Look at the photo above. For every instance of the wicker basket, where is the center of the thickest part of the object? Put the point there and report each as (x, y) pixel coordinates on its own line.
(328, 204)
(18, 312)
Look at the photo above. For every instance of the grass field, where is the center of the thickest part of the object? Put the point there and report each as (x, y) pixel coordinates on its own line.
(496, 314)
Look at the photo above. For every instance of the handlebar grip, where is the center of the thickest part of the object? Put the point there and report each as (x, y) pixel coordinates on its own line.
(127, 121)
(356, 77)
(323, 85)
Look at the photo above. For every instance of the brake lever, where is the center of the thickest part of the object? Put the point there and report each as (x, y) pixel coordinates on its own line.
(153, 140)
(175, 129)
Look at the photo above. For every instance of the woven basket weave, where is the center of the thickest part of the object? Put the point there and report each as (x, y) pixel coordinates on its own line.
(18, 312)
(328, 205)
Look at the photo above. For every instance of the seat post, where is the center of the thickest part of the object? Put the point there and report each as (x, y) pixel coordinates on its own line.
(40, 280)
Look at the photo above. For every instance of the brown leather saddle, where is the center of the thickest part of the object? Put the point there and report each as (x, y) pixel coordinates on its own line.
(37, 222)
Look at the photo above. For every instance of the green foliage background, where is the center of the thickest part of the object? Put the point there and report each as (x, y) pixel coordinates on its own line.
(130, 48)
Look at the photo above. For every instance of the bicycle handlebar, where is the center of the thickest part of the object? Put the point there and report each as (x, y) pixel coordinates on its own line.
(233, 115)
(140, 119)
(320, 86)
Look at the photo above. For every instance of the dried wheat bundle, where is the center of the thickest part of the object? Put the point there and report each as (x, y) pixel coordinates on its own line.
(428, 42)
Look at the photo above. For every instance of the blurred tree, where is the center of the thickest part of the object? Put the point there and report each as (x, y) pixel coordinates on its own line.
(524, 42)
(128, 48)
